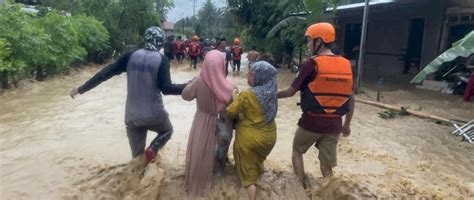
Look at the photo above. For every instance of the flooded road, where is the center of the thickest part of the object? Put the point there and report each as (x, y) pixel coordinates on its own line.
(53, 147)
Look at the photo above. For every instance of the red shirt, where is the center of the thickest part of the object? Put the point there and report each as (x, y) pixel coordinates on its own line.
(194, 49)
(470, 88)
(179, 46)
(237, 51)
(309, 122)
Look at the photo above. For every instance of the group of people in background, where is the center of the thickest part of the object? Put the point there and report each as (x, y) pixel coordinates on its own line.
(325, 83)
(196, 48)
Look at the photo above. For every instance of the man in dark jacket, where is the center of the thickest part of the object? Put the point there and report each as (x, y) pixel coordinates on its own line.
(148, 76)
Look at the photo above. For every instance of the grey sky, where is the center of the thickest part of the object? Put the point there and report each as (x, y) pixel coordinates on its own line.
(184, 8)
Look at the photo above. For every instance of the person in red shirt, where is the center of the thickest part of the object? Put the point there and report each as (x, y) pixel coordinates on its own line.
(469, 92)
(194, 50)
(179, 49)
(326, 87)
(237, 52)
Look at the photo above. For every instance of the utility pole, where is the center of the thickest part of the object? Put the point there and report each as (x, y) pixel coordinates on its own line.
(362, 43)
(194, 8)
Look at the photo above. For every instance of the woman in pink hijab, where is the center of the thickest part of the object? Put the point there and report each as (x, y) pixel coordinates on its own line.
(212, 92)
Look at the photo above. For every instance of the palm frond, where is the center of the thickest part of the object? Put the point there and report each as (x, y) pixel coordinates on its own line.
(283, 25)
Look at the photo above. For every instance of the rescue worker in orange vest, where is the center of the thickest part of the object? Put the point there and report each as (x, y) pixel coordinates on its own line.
(194, 50)
(179, 49)
(237, 52)
(326, 87)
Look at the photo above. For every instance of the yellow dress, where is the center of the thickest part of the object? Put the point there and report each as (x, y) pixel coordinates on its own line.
(254, 138)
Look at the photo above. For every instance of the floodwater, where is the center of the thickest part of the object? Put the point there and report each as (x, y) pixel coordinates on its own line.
(54, 147)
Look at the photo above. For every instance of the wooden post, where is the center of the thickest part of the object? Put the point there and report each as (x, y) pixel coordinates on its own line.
(362, 43)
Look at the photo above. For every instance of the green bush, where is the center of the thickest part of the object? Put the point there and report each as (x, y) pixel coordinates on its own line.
(37, 46)
(26, 43)
(64, 47)
(93, 36)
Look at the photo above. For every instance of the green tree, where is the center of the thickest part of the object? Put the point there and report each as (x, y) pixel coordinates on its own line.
(163, 7)
(39, 45)
(27, 42)
(256, 19)
(289, 30)
(73, 7)
(63, 49)
(273, 24)
(207, 19)
(93, 36)
(125, 20)
(210, 22)
(185, 26)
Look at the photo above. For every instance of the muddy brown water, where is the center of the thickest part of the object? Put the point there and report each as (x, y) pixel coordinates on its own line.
(53, 147)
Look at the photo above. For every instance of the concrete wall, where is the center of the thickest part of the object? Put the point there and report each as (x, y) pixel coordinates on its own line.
(388, 32)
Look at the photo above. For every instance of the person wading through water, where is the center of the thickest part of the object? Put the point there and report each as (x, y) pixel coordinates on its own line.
(148, 76)
(194, 50)
(179, 49)
(237, 52)
(253, 55)
(326, 87)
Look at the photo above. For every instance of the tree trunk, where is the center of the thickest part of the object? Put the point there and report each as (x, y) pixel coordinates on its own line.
(39, 73)
(412, 112)
(4, 79)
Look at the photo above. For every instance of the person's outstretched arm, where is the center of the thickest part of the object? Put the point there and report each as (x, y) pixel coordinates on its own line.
(106, 73)
(288, 92)
(164, 79)
(189, 92)
(306, 73)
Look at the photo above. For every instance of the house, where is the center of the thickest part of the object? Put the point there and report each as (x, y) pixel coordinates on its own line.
(403, 33)
(168, 27)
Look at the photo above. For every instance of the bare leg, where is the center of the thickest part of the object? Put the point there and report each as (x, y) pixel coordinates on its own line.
(252, 192)
(326, 170)
(298, 166)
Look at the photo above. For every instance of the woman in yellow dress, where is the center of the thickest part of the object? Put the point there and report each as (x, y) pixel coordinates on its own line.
(256, 109)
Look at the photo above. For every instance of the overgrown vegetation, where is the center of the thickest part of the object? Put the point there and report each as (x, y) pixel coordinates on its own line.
(279, 25)
(49, 38)
(34, 46)
(126, 20)
(209, 23)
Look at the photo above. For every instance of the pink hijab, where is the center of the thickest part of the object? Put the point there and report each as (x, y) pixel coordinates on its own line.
(213, 74)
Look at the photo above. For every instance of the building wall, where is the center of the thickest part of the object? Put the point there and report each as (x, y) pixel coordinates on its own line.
(388, 32)
(461, 3)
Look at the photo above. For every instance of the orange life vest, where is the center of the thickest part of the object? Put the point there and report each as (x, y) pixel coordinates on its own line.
(194, 48)
(329, 93)
(179, 45)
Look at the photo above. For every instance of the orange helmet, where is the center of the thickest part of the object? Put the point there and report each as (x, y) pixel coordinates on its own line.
(325, 31)
(195, 38)
(236, 41)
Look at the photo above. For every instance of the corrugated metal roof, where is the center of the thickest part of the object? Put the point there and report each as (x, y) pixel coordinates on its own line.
(361, 5)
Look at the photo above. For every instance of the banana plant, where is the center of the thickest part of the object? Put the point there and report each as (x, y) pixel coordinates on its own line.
(291, 29)
(461, 48)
